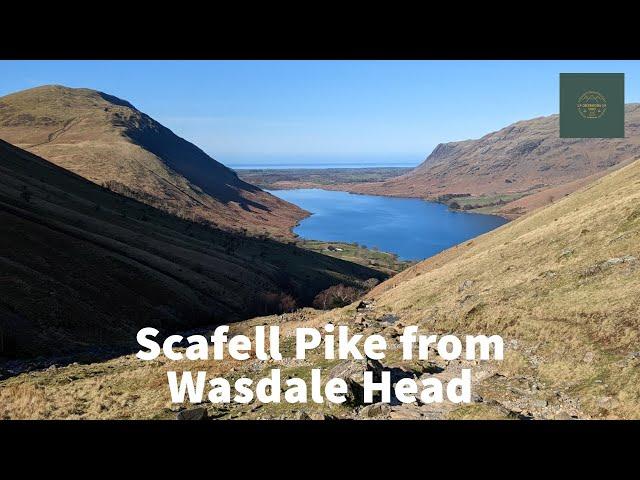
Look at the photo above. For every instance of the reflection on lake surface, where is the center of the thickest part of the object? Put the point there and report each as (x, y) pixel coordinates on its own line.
(412, 228)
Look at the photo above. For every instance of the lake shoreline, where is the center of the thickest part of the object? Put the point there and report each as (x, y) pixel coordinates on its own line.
(360, 180)
(424, 199)
(413, 229)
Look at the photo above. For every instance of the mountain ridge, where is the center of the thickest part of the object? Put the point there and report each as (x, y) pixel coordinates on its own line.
(107, 140)
(69, 248)
(515, 169)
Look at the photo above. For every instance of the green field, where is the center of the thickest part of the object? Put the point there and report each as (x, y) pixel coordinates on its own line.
(352, 252)
(480, 204)
(320, 176)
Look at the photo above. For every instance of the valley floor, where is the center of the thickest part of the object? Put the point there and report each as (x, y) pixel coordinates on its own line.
(370, 181)
(378, 181)
(385, 262)
(283, 179)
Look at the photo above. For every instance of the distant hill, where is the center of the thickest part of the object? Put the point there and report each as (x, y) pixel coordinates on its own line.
(108, 141)
(518, 168)
(82, 266)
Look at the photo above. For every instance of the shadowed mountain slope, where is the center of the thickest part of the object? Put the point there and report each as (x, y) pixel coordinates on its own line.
(82, 266)
(108, 141)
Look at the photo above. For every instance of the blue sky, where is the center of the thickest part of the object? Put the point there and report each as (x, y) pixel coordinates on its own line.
(323, 111)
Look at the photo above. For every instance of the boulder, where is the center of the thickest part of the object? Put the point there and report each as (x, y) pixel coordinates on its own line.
(300, 415)
(319, 416)
(619, 260)
(599, 267)
(365, 305)
(566, 253)
(376, 410)
(352, 372)
(562, 415)
(198, 413)
(388, 318)
(406, 412)
(391, 332)
(539, 403)
(421, 367)
(464, 285)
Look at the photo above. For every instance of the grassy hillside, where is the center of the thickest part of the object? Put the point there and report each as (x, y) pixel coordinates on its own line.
(108, 141)
(387, 263)
(560, 285)
(516, 169)
(82, 266)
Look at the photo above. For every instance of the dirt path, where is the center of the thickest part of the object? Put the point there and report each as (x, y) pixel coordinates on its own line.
(54, 135)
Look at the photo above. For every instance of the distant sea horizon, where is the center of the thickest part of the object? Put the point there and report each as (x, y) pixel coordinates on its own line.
(314, 161)
(323, 165)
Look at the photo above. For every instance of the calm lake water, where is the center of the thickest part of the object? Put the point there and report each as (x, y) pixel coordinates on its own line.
(411, 228)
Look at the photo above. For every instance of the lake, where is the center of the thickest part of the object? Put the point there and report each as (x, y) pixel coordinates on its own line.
(411, 228)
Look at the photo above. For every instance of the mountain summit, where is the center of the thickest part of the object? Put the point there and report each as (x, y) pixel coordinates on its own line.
(108, 141)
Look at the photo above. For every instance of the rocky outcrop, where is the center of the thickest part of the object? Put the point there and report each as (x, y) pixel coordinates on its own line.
(352, 371)
(198, 413)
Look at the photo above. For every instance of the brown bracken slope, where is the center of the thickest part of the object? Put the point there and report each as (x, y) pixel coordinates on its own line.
(81, 265)
(108, 141)
(526, 159)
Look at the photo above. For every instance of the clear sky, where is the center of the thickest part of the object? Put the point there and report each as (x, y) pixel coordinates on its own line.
(323, 111)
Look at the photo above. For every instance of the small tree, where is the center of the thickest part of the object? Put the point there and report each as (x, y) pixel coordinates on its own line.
(370, 283)
(276, 302)
(287, 303)
(336, 296)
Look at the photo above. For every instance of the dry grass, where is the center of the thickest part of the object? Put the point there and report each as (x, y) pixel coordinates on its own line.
(127, 388)
(543, 280)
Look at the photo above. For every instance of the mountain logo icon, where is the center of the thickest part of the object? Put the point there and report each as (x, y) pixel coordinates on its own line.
(592, 104)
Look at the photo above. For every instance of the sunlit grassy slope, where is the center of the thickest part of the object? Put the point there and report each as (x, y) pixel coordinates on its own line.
(565, 280)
